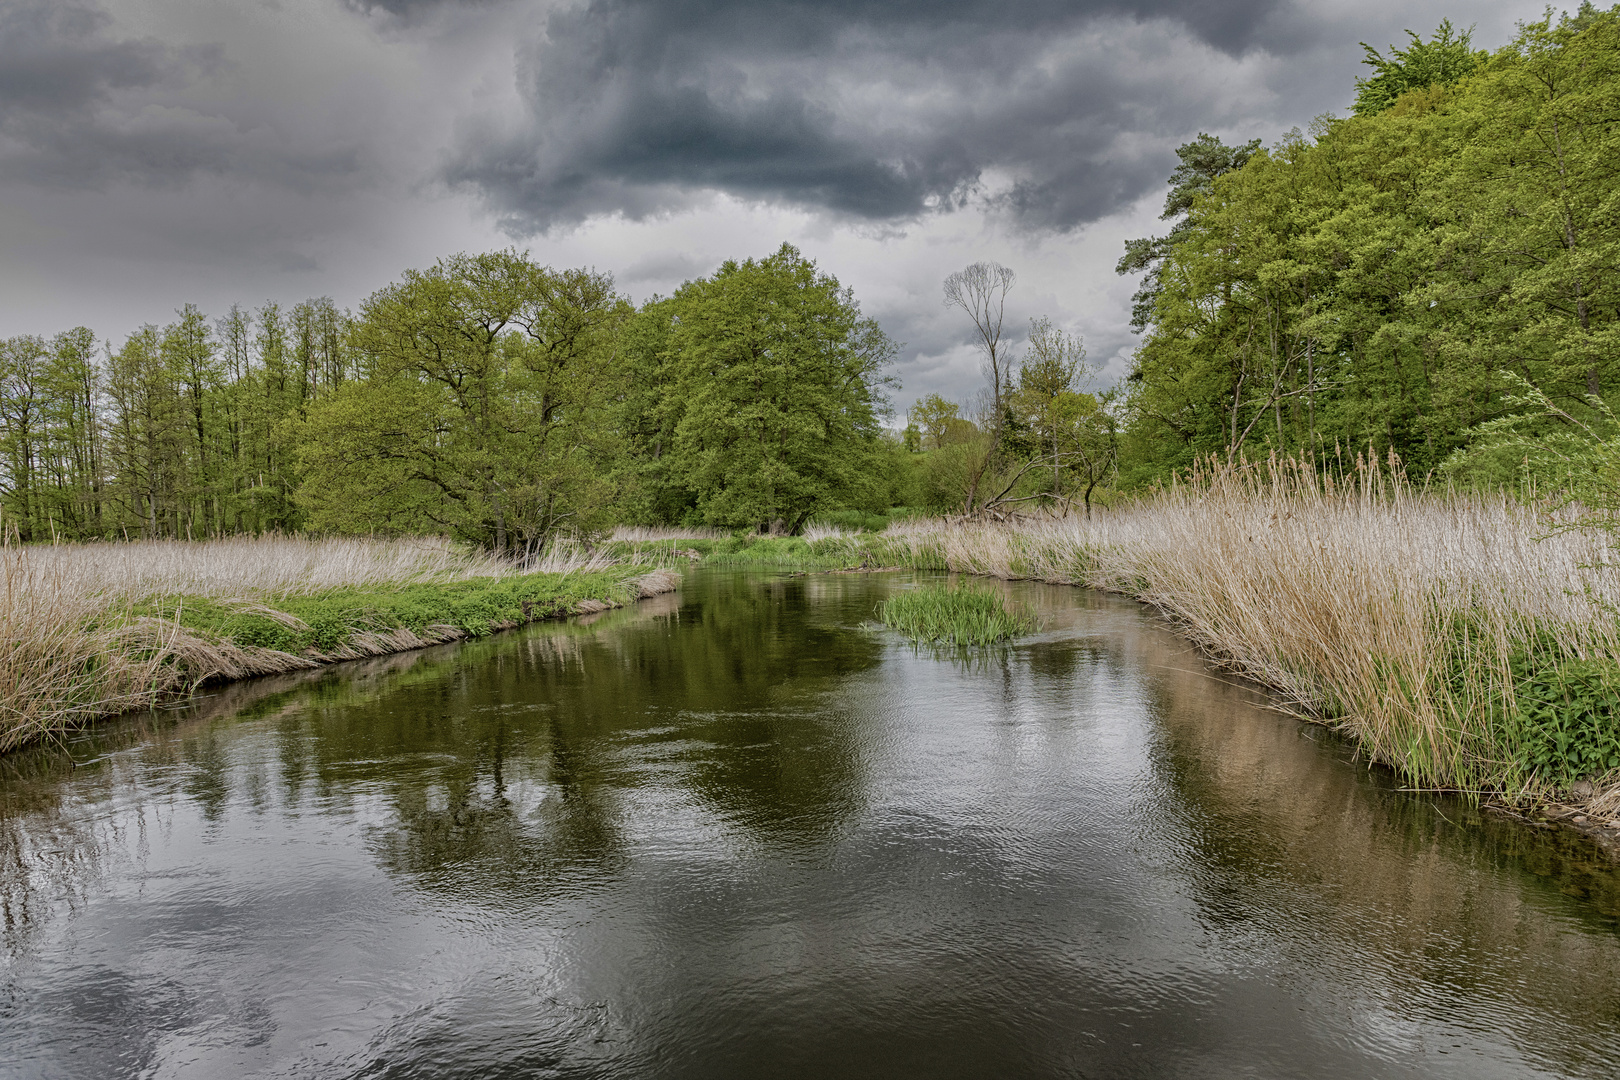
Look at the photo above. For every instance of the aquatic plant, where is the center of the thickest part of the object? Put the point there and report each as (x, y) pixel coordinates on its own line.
(955, 615)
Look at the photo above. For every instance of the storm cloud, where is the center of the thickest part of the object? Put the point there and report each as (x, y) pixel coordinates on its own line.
(155, 152)
(80, 105)
(863, 108)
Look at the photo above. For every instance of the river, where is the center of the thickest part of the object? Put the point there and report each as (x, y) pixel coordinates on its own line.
(743, 831)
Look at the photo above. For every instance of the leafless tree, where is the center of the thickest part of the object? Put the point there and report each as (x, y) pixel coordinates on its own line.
(981, 291)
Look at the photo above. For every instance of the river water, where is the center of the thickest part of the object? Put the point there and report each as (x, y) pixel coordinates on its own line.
(741, 831)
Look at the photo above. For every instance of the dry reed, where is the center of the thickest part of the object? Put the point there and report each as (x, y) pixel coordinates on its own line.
(1389, 611)
(639, 534)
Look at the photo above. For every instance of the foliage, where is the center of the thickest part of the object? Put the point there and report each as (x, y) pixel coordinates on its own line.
(956, 615)
(1445, 58)
(1564, 725)
(487, 398)
(1376, 280)
(482, 411)
(770, 385)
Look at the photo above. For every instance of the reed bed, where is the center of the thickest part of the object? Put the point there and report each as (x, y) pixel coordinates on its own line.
(642, 534)
(1431, 626)
(89, 630)
(820, 531)
(265, 566)
(955, 615)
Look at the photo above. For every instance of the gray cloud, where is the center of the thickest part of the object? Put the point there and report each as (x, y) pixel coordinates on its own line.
(870, 109)
(79, 105)
(412, 10)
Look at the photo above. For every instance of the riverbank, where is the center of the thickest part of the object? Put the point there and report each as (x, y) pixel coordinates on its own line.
(93, 630)
(1464, 640)
(1457, 638)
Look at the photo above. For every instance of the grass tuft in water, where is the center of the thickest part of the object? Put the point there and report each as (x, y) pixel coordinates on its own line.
(955, 615)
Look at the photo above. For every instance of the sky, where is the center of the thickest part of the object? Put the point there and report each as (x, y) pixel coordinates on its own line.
(161, 152)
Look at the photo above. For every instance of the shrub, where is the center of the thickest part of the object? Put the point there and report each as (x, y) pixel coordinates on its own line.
(1564, 727)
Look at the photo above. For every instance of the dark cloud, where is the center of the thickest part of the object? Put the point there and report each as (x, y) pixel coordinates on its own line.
(83, 107)
(62, 73)
(873, 109)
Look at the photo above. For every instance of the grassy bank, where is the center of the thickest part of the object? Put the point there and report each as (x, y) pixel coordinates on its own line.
(1464, 639)
(1457, 637)
(96, 629)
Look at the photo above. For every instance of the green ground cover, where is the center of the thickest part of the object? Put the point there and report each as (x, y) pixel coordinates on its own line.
(325, 622)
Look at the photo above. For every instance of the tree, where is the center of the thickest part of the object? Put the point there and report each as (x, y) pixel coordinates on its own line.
(481, 410)
(778, 382)
(1445, 58)
(191, 355)
(1043, 399)
(980, 290)
(1203, 161)
(73, 390)
(933, 414)
(146, 437)
(1534, 230)
(22, 423)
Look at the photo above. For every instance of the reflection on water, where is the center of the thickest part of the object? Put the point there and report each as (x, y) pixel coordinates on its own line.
(744, 831)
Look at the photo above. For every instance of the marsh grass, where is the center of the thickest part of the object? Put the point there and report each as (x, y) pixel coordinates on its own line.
(89, 630)
(955, 614)
(1444, 631)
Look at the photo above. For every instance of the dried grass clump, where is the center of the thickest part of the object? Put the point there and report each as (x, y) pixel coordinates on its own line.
(1392, 612)
(818, 531)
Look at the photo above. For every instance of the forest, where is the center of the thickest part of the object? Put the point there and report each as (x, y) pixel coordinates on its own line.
(1433, 276)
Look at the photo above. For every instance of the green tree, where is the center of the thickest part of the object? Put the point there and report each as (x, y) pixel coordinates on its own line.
(934, 414)
(146, 436)
(481, 411)
(1444, 58)
(73, 388)
(1203, 160)
(779, 381)
(22, 432)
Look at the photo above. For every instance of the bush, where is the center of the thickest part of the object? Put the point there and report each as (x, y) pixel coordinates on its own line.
(1565, 726)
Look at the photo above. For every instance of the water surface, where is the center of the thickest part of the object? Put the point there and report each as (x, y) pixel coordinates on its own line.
(742, 831)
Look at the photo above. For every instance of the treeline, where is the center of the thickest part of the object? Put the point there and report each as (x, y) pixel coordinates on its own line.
(181, 430)
(1441, 265)
(488, 397)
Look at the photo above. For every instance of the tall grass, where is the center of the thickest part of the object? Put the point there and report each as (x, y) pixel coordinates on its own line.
(641, 534)
(955, 615)
(87, 630)
(1419, 621)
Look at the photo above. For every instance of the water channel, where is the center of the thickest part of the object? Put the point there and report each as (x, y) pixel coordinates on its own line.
(742, 831)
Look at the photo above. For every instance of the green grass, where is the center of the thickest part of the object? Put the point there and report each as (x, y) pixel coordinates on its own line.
(956, 615)
(747, 549)
(326, 621)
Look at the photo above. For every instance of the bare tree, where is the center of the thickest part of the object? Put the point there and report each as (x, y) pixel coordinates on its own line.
(981, 291)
